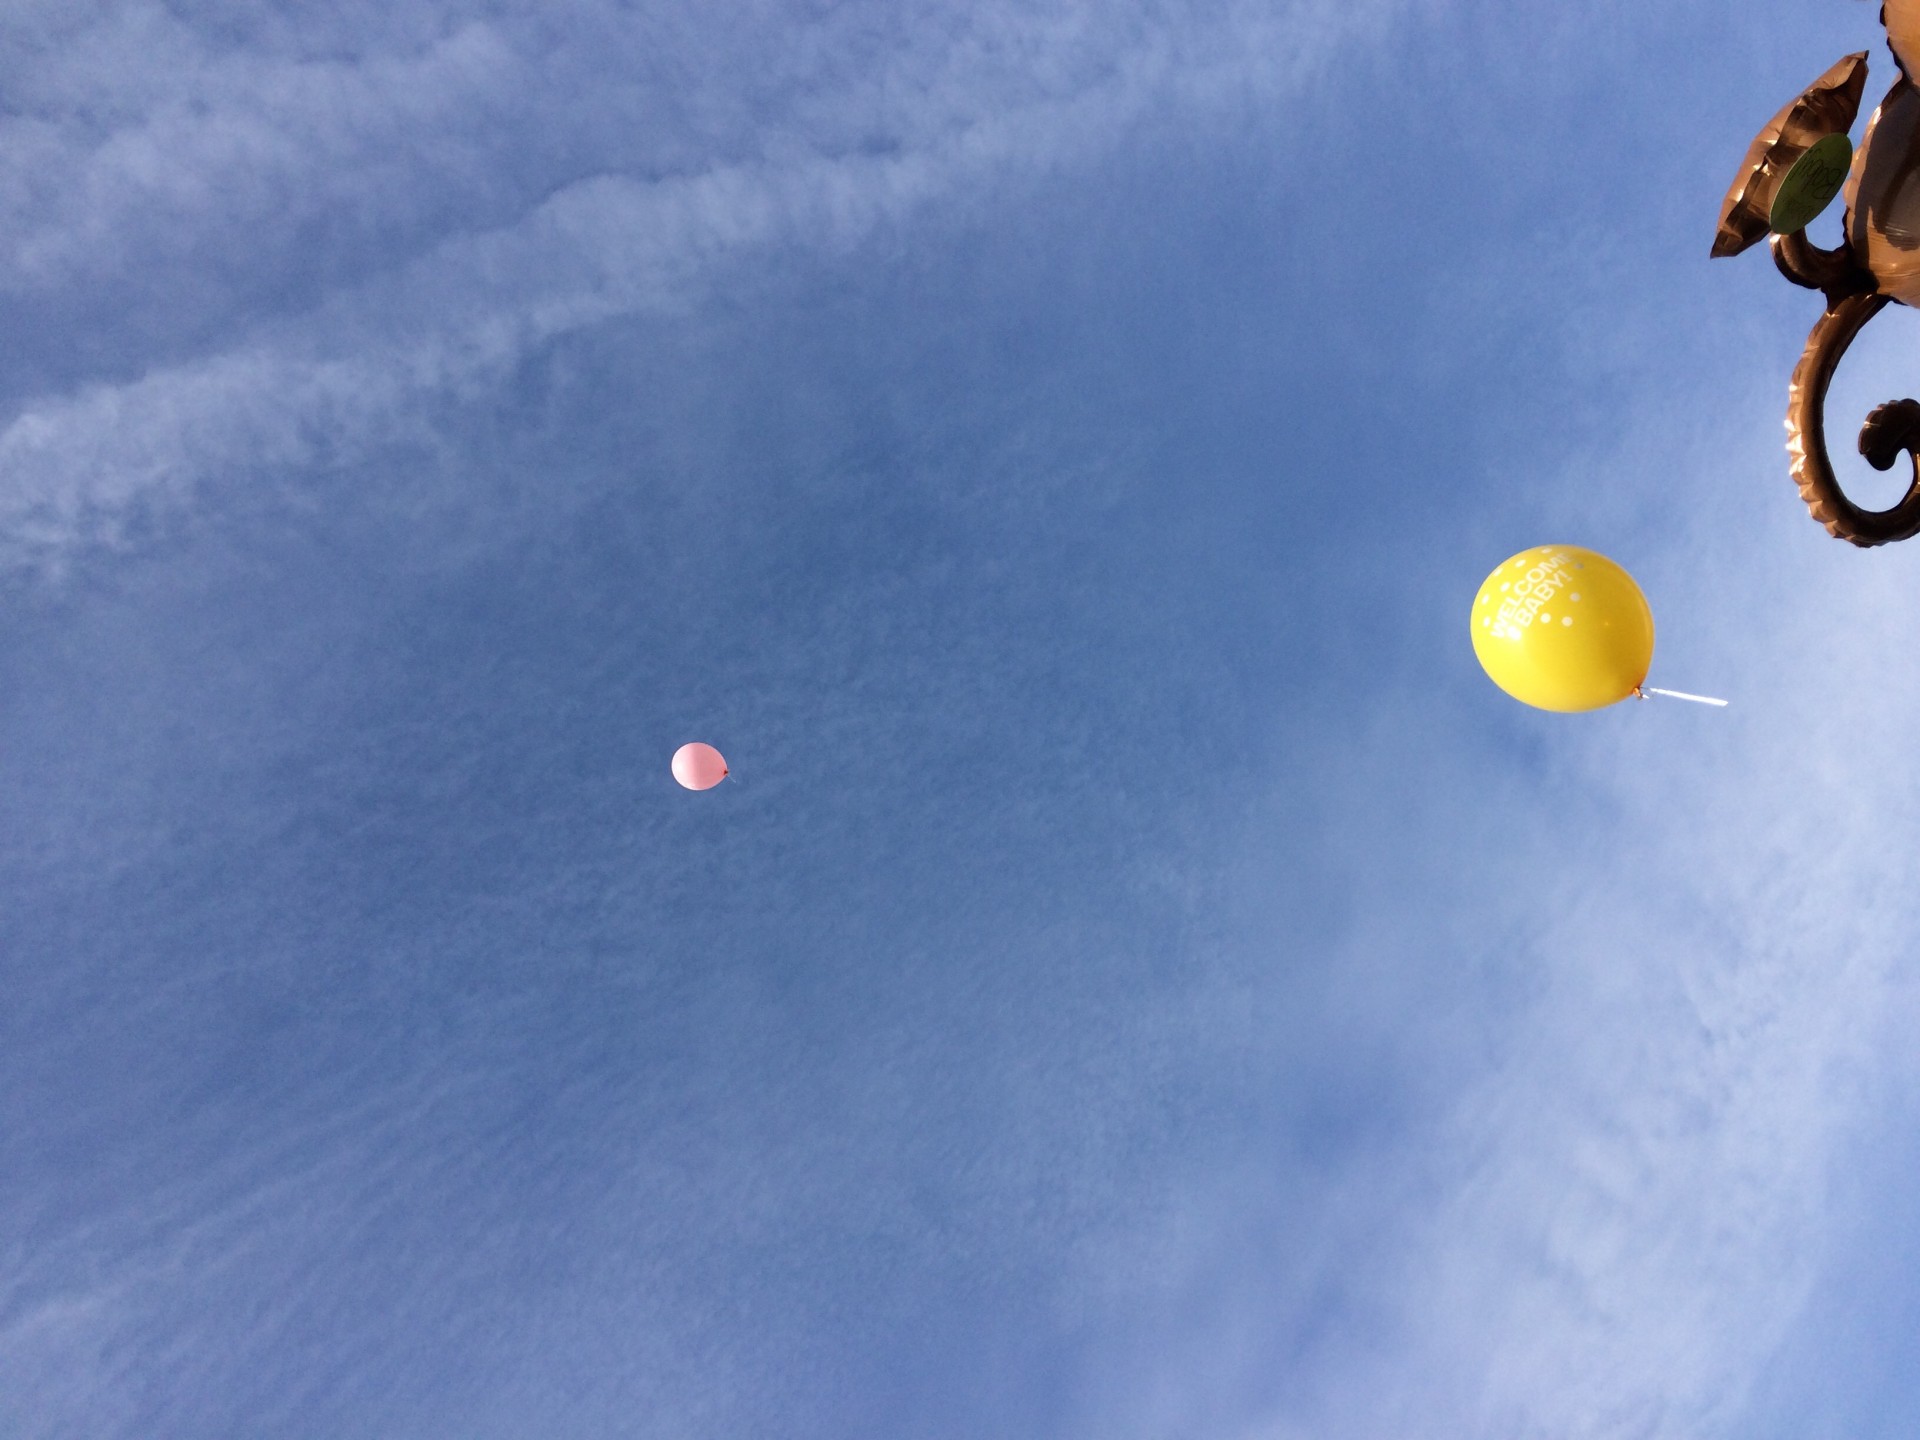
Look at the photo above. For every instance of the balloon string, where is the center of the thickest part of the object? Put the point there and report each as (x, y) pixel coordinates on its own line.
(1645, 690)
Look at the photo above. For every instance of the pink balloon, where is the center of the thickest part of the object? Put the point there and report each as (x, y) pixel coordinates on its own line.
(699, 767)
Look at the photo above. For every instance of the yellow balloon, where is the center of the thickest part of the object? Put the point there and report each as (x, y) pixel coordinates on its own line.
(1563, 628)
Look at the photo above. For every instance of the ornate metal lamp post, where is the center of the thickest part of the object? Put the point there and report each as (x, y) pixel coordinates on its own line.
(1791, 172)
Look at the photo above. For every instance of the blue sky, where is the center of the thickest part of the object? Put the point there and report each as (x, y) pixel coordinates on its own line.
(1143, 980)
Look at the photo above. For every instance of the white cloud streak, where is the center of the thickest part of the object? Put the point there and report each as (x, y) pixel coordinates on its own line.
(227, 152)
(1608, 1228)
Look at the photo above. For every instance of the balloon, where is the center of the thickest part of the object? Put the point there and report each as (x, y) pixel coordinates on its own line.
(699, 767)
(1562, 628)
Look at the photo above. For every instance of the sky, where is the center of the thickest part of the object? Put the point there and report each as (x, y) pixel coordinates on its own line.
(1142, 981)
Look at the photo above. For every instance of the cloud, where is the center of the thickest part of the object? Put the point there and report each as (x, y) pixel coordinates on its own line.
(1565, 1029)
(1624, 986)
(793, 146)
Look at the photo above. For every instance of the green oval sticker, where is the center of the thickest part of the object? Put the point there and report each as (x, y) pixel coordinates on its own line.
(1816, 177)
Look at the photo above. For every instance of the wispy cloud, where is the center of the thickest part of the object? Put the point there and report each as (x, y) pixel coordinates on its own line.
(1565, 1043)
(1624, 985)
(239, 155)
